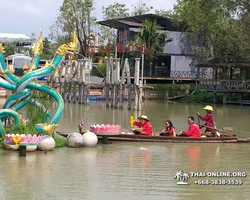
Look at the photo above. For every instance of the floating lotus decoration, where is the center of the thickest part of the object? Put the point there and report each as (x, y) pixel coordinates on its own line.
(23, 139)
(96, 128)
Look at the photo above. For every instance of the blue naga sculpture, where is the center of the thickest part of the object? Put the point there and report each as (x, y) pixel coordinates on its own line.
(24, 86)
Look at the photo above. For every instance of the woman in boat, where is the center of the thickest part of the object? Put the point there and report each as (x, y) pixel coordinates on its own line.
(143, 123)
(169, 129)
(209, 119)
(193, 130)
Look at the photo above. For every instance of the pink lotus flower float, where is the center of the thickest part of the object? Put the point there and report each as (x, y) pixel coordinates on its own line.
(23, 139)
(96, 128)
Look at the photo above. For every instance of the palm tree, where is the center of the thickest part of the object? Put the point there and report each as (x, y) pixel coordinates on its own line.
(155, 40)
(179, 175)
(185, 177)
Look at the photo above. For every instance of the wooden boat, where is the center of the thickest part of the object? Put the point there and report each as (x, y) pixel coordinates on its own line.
(166, 139)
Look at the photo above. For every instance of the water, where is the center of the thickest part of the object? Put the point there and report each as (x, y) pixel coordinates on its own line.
(126, 170)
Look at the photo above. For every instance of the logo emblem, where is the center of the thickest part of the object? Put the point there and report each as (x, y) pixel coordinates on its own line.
(182, 177)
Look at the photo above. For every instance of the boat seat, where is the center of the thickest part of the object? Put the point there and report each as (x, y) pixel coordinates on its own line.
(228, 130)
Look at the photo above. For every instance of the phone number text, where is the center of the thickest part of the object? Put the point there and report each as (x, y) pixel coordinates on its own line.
(218, 182)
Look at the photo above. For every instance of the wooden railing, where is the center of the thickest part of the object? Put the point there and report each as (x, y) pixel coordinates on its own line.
(163, 73)
(225, 85)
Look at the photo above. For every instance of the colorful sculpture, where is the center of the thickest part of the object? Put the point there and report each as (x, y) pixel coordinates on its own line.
(25, 86)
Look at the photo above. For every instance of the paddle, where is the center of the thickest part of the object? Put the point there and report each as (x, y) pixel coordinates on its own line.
(214, 128)
(199, 122)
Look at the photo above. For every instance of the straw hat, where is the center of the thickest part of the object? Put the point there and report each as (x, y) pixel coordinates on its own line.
(143, 117)
(210, 108)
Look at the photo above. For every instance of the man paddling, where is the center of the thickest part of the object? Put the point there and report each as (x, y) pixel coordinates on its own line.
(209, 118)
(143, 123)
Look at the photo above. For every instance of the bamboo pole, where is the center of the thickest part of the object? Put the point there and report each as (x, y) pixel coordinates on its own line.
(136, 83)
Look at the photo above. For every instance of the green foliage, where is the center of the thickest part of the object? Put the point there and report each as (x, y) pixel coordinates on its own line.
(99, 70)
(113, 11)
(213, 24)
(20, 129)
(117, 10)
(155, 41)
(74, 14)
(196, 95)
(172, 90)
(164, 13)
(47, 53)
(2, 138)
(60, 142)
(140, 8)
(35, 115)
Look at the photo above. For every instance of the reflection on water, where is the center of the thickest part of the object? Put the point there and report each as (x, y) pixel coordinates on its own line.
(122, 170)
(125, 170)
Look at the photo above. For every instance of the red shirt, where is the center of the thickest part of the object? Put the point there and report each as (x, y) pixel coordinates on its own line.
(193, 131)
(170, 131)
(147, 128)
(209, 118)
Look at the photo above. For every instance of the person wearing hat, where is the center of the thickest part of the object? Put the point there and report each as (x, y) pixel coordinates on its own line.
(209, 119)
(143, 123)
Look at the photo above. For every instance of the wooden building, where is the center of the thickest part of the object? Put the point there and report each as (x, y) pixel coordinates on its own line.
(173, 64)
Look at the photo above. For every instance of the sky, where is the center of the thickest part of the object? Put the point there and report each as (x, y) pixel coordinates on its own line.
(27, 16)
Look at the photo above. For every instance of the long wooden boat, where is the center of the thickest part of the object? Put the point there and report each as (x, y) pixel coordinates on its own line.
(166, 139)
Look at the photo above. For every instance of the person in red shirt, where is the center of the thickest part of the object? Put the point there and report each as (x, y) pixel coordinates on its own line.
(209, 118)
(169, 129)
(143, 123)
(193, 130)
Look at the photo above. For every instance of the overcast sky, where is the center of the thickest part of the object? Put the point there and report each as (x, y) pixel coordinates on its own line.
(26, 16)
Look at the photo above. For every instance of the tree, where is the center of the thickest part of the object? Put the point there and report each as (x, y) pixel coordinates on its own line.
(113, 11)
(141, 8)
(74, 14)
(211, 23)
(47, 53)
(164, 13)
(154, 38)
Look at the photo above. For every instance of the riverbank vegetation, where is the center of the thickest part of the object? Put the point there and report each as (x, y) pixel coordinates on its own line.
(181, 92)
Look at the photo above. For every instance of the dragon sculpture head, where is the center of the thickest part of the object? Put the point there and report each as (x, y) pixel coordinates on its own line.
(37, 48)
(69, 48)
(1, 48)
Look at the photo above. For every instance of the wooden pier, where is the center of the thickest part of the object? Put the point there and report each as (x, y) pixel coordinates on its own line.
(227, 87)
(70, 81)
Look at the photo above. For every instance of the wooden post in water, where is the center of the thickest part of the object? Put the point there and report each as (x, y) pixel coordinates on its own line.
(107, 85)
(117, 81)
(75, 80)
(129, 87)
(121, 96)
(88, 93)
(70, 95)
(113, 79)
(130, 90)
(83, 80)
(22, 150)
(66, 81)
(140, 95)
(136, 82)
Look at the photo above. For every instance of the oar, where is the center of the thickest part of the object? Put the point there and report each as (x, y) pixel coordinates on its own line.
(199, 121)
(214, 128)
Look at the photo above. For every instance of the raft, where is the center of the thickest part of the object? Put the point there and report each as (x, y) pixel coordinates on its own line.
(167, 139)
